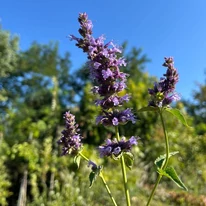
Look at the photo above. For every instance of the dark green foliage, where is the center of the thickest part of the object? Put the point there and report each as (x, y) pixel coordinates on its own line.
(93, 175)
(171, 173)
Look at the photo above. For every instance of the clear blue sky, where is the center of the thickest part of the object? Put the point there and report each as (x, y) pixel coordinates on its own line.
(161, 28)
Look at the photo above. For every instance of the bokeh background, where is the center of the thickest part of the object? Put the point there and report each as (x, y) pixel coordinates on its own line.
(43, 75)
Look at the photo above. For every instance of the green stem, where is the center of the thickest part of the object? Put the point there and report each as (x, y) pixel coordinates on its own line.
(166, 158)
(153, 191)
(166, 142)
(107, 188)
(124, 173)
(103, 180)
(84, 157)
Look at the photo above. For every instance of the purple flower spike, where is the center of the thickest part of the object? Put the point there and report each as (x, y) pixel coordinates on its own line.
(104, 64)
(117, 147)
(163, 93)
(70, 138)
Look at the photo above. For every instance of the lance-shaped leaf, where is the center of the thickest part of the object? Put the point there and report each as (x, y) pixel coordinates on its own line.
(94, 174)
(176, 112)
(171, 173)
(129, 159)
(160, 160)
(148, 109)
(77, 160)
(92, 178)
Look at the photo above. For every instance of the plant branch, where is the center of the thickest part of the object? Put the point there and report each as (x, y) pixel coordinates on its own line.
(124, 173)
(103, 180)
(164, 165)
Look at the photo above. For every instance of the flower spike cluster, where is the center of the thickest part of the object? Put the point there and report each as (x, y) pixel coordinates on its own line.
(117, 147)
(116, 117)
(104, 63)
(70, 139)
(163, 93)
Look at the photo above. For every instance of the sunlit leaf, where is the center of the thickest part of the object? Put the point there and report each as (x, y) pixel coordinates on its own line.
(171, 173)
(92, 178)
(160, 160)
(176, 112)
(94, 174)
(77, 160)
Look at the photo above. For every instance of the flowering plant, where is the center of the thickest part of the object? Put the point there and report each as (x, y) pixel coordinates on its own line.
(104, 63)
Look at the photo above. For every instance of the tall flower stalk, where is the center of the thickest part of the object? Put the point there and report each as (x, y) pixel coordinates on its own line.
(104, 63)
(124, 173)
(94, 168)
(71, 142)
(164, 166)
(161, 96)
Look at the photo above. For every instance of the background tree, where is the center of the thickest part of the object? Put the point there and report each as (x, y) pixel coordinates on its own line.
(38, 93)
(8, 60)
(197, 108)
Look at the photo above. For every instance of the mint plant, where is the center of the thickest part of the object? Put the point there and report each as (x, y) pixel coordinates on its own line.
(161, 96)
(104, 62)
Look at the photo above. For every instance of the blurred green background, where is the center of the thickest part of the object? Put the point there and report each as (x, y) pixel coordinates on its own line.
(37, 87)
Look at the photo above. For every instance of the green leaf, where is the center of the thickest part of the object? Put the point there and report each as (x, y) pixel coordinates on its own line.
(129, 159)
(148, 109)
(171, 173)
(176, 112)
(160, 160)
(92, 178)
(77, 160)
(94, 174)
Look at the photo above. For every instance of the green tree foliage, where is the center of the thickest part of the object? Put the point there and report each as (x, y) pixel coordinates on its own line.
(197, 108)
(8, 61)
(39, 89)
(4, 177)
(37, 92)
(8, 52)
(138, 83)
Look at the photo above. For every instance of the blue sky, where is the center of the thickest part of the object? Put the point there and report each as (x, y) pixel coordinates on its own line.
(161, 28)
